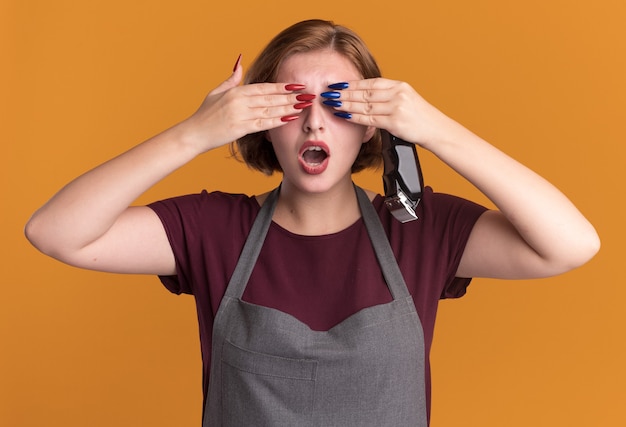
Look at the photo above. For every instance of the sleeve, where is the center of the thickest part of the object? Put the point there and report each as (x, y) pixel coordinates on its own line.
(176, 216)
(453, 219)
(206, 232)
(429, 250)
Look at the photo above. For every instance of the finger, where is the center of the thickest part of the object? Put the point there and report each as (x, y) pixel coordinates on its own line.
(363, 107)
(273, 88)
(273, 109)
(275, 112)
(260, 124)
(360, 95)
(233, 81)
(373, 83)
(380, 120)
(266, 105)
(265, 95)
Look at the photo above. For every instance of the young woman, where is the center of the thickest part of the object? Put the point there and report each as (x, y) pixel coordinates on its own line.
(316, 306)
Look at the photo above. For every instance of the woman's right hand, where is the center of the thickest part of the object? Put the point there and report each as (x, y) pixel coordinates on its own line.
(231, 111)
(89, 223)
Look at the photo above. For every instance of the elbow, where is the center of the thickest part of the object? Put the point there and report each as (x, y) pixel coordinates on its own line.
(33, 234)
(582, 252)
(51, 240)
(590, 248)
(37, 234)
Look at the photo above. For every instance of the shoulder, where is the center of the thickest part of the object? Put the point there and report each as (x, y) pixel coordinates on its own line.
(440, 233)
(429, 249)
(205, 197)
(435, 210)
(215, 203)
(206, 213)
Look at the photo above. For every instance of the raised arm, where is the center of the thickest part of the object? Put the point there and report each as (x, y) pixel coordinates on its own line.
(90, 224)
(531, 235)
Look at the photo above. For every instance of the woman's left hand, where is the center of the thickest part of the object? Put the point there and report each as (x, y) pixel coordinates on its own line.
(530, 237)
(394, 106)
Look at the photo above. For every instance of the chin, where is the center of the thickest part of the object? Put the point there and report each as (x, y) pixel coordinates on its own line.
(319, 184)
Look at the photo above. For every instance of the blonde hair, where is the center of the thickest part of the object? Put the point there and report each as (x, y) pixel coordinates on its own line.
(306, 36)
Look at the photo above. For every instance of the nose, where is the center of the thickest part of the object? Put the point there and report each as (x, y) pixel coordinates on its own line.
(314, 117)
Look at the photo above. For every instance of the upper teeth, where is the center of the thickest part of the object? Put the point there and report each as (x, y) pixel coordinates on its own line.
(314, 149)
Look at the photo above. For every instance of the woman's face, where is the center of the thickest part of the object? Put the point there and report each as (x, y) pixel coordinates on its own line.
(317, 150)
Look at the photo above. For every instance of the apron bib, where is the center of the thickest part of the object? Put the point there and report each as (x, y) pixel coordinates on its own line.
(270, 369)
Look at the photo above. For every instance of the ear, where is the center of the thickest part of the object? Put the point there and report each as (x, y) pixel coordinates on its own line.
(369, 133)
(267, 135)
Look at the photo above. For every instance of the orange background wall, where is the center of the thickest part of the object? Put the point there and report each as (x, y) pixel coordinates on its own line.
(84, 80)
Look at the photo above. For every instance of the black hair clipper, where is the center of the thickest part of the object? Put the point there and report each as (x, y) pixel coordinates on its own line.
(402, 177)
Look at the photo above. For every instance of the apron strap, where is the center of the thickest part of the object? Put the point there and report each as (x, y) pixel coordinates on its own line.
(254, 243)
(252, 247)
(380, 242)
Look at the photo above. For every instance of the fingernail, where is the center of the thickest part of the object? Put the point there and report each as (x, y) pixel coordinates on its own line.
(289, 118)
(294, 86)
(237, 63)
(306, 97)
(341, 85)
(332, 95)
(343, 115)
(332, 103)
(302, 105)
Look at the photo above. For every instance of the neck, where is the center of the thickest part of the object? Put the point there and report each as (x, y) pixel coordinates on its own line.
(317, 213)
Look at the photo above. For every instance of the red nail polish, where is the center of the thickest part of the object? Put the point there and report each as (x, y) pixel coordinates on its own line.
(306, 97)
(302, 105)
(294, 86)
(289, 118)
(237, 63)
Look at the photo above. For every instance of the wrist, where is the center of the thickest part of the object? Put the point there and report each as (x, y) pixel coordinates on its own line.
(439, 131)
(189, 138)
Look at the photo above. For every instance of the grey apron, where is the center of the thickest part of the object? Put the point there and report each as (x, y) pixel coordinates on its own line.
(270, 369)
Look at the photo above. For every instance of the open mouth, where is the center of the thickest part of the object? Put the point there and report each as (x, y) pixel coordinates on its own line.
(314, 157)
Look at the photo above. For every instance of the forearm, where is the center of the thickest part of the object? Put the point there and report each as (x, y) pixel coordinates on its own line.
(542, 215)
(88, 206)
(537, 231)
(82, 212)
